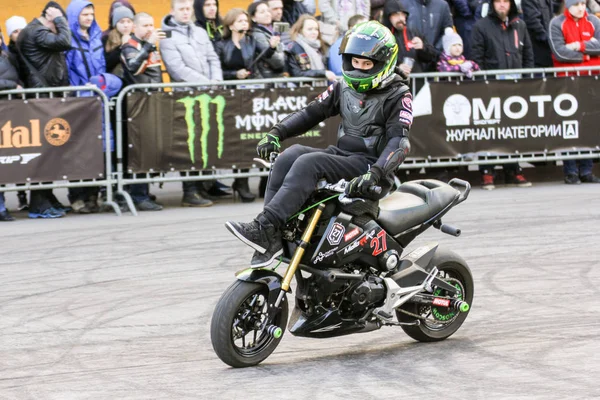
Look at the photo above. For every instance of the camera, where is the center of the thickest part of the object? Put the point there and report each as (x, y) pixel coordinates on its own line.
(281, 27)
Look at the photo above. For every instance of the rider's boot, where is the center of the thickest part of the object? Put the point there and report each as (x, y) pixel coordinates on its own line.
(261, 235)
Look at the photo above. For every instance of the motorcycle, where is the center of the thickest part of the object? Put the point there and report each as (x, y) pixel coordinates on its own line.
(347, 257)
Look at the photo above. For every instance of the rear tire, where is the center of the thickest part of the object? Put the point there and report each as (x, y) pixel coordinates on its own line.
(451, 265)
(240, 309)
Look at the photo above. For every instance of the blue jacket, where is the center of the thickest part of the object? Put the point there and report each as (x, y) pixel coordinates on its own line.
(92, 48)
(335, 59)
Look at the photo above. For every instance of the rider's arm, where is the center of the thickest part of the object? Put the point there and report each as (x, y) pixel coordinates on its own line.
(326, 105)
(397, 130)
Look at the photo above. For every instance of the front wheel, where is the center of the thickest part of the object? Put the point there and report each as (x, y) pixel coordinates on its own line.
(439, 323)
(238, 332)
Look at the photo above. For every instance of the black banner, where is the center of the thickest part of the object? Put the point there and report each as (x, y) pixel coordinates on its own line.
(50, 139)
(531, 115)
(217, 128)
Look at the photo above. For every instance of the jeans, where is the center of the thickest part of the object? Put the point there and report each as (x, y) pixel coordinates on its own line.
(578, 167)
(2, 204)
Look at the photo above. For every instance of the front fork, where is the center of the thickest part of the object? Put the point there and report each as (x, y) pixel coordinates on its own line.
(299, 253)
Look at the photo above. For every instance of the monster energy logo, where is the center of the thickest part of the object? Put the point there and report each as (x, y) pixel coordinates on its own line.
(204, 101)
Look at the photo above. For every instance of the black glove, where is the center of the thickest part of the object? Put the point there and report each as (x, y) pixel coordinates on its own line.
(267, 145)
(359, 186)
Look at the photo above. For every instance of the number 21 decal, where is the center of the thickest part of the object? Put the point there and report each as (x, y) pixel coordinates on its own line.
(379, 243)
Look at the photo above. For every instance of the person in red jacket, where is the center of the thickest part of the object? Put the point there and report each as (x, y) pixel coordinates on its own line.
(575, 42)
(575, 37)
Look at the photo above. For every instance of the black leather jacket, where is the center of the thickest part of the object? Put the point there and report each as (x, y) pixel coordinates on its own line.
(45, 51)
(9, 78)
(250, 48)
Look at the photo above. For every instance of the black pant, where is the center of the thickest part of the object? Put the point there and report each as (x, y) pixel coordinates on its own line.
(298, 169)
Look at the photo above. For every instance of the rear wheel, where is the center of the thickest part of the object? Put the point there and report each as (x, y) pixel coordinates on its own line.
(239, 333)
(439, 323)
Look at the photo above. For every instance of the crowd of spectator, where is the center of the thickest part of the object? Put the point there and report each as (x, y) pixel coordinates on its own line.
(196, 42)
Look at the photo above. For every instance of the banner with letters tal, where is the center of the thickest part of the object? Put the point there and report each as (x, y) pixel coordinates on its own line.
(528, 115)
(50, 139)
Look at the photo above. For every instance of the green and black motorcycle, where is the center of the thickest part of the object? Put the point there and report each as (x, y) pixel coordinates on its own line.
(351, 274)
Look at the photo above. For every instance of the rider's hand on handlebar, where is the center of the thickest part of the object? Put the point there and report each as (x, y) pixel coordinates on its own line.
(360, 186)
(268, 145)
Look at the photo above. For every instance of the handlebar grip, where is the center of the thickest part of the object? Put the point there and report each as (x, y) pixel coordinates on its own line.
(375, 189)
(450, 230)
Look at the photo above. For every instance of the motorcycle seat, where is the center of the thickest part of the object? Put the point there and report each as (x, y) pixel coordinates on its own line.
(413, 203)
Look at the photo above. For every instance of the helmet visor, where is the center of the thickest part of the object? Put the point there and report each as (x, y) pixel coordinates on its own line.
(362, 45)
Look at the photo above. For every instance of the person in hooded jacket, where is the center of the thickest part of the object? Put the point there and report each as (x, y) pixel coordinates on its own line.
(85, 60)
(411, 43)
(501, 40)
(432, 18)
(207, 18)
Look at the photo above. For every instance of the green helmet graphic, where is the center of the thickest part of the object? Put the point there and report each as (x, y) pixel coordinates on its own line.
(373, 41)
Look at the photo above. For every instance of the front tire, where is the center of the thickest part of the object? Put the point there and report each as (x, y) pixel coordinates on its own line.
(236, 333)
(440, 324)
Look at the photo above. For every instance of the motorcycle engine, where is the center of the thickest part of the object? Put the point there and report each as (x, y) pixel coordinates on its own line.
(366, 294)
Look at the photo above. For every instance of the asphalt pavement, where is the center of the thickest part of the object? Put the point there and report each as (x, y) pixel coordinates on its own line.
(106, 307)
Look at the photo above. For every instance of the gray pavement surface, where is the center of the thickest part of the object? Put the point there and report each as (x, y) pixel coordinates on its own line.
(106, 307)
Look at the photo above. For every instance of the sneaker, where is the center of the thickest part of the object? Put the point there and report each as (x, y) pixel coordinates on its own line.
(195, 200)
(47, 213)
(23, 205)
(79, 207)
(264, 238)
(591, 178)
(5, 216)
(572, 179)
(148, 205)
(57, 205)
(487, 182)
(262, 260)
(517, 180)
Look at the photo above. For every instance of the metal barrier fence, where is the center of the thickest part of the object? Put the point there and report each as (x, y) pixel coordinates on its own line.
(120, 179)
(107, 180)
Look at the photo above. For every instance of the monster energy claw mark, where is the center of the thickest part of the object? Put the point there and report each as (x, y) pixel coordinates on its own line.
(204, 102)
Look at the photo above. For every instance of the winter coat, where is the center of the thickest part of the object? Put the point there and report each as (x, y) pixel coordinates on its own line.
(537, 15)
(189, 54)
(269, 67)
(424, 58)
(141, 62)
(448, 63)
(292, 10)
(45, 51)
(586, 31)
(250, 48)
(82, 69)
(299, 63)
(113, 59)
(9, 77)
(214, 29)
(464, 20)
(594, 6)
(333, 13)
(497, 45)
(429, 17)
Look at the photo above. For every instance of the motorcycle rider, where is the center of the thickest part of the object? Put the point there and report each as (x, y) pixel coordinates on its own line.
(376, 110)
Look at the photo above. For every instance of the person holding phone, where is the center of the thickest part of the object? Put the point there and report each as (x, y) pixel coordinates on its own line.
(264, 33)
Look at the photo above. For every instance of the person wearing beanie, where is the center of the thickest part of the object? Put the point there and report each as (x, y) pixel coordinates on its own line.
(14, 26)
(41, 48)
(452, 59)
(575, 42)
(114, 5)
(122, 22)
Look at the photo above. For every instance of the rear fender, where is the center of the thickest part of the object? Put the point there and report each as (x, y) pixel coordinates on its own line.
(266, 277)
(415, 266)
